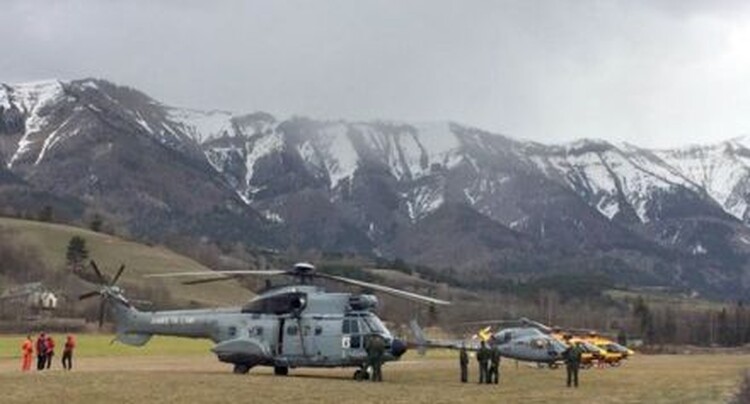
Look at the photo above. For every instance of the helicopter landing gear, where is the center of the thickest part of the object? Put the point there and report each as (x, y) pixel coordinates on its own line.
(361, 374)
(280, 370)
(240, 369)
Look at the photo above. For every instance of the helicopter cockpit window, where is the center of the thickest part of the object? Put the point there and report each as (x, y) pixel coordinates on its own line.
(318, 330)
(374, 325)
(507, 337)
(232, 331)
(350, 326)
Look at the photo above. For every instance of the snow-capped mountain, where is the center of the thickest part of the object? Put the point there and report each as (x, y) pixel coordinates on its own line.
(386, 188)
(116, 151)
(722, 170)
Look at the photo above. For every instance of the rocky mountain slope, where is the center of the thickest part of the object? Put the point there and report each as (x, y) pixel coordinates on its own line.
(438, 193)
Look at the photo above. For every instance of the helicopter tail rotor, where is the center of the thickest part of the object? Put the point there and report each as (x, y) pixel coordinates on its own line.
(107, 290)
(419, 337)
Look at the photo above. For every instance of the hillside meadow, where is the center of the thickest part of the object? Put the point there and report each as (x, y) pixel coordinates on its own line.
(50, 241)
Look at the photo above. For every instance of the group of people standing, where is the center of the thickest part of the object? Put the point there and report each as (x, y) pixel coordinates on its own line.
(44, 347)
(489, 364)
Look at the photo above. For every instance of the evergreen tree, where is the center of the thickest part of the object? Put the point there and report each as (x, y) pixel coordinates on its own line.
(96, 223)
(645, 319)
(46, 214)
(724, 330)
(622, 338)
(77, 251)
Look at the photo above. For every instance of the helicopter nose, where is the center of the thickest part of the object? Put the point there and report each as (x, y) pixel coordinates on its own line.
(398, 347)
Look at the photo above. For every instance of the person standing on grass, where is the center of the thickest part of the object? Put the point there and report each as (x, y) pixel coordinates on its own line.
(41, 351)
(50, 350)
(27, 351)
(463, 361)
(375, 348)
(572, 357)
(483, 357)
(67, 356)
(494, 373)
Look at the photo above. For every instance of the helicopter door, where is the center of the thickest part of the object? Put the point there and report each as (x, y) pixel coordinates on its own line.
(351, 338)
(297, 338)
(280, 340)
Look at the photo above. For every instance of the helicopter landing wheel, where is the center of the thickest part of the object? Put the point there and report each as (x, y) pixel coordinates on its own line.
(240, 369)
(280, 370)
(360, 375)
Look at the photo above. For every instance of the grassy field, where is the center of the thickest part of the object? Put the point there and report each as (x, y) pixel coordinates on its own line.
(109, 252)
(172, 370)
(99, 346)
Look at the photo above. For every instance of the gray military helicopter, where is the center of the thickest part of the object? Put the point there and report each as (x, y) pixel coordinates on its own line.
(286, 327)
(522, 341)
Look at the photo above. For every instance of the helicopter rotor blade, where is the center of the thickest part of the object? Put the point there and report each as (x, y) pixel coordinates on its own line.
(385, 289)
(101, 277)
(88, 295)
(208, 280)
(523, 321)
(269, 272)
(117, 276)
(102, 306)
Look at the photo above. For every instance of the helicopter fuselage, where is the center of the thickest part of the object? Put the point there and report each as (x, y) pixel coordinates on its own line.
(289, 327)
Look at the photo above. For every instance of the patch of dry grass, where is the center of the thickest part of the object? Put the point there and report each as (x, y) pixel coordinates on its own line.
(189, 376)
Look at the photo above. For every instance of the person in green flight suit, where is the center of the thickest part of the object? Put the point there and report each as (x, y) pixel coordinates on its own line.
(572, 357)
(494, 372)
(483, 357)
(375, 348)
(463, 361)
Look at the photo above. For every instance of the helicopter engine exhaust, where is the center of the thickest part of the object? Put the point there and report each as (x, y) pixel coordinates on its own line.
(363, 302)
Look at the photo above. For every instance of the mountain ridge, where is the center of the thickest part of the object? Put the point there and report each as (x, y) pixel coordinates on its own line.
(364, 187)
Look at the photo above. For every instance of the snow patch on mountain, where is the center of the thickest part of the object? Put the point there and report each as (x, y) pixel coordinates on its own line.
(142, 122)
(331, 151)
(422, 200)
(440, 143)
(203, 125)
(723, 170)
(606, 175)
(31, 98)
(261, 146)
(52, 139)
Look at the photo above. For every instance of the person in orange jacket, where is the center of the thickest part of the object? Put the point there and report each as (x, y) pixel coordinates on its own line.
(27, 352)
(67, 356)
(50, 350)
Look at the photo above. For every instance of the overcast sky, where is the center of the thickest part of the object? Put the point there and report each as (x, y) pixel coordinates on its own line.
(656, 74)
